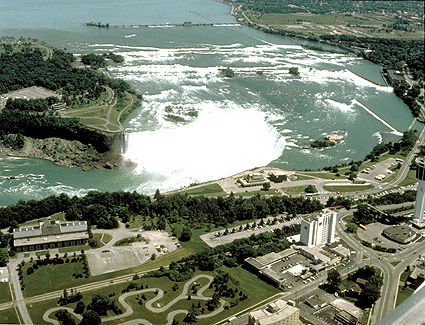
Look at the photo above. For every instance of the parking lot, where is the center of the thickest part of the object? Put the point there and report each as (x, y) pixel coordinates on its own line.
(213, 240)
(373, 234)
(114, 258)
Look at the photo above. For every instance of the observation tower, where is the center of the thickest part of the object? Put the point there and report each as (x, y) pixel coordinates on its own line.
(418, 217)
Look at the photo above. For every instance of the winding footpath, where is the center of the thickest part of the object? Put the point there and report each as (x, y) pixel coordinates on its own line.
(159, 295)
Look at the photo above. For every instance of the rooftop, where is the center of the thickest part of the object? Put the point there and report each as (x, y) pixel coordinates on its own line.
(49, 227)
(402, 232)
(274, 312)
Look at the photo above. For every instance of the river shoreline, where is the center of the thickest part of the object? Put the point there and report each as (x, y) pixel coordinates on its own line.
(66, 153)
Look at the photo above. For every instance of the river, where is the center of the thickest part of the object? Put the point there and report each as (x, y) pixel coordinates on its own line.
(195, 124)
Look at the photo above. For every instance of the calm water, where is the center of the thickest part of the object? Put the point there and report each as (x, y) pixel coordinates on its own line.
(195, 124)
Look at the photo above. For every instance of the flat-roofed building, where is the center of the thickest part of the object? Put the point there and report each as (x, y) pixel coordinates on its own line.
(50, 234)
(318, 229)
(276, 313)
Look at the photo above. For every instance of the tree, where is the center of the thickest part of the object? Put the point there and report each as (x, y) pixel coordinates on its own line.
(90, 317)
(64, 317)
(186, 234)
(294, 71)
(80, 307)
(266, 186)
(370, 294)
(334, 280)
(191, 315)
(351, 227)
(4, 257)
(310, 189)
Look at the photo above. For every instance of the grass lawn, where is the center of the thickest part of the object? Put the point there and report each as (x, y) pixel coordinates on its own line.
(210, 190)
(256, 289)
(302, 177)
(74, 248)
(57, 216)
(325, 175)
(60, 276)
(51, 277)
(8, 316)
(295, 189)
(403, 294)
(395, 263)
(253, 193)
(348, 219)
(36, 310)
(195, 243)
(347, 188)
(105, 238)
(405, 275)
(410, 178)
(4, 292)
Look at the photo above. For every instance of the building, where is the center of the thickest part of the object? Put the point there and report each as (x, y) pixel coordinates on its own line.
(318, 256)
(345, 318)
(279, 312)
(318, 229)
(400, 233)
(263, 265)
(418, 217)
(253, 179)
(395, 77)
(50, 234)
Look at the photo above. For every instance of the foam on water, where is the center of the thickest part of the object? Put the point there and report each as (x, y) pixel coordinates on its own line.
(220, 142)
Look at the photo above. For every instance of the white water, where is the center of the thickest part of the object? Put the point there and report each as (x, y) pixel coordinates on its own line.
(220, 142)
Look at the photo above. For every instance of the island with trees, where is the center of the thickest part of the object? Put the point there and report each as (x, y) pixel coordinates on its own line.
(71, 116)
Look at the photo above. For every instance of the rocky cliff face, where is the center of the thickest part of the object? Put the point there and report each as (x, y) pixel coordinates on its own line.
(71, 153)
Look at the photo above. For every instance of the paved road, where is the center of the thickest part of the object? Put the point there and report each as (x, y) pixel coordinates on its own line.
(19, 298)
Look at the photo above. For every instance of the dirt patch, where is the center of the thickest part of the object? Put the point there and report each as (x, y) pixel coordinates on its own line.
(118, 258)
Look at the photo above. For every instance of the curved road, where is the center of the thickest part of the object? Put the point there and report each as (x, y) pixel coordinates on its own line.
(160, 294)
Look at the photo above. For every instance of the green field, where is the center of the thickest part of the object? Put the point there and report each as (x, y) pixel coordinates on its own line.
(347, 188)
(105, 113)
(8, 316)
(253, 193)
(52, 277)
(403, 294)
(57, 277)
(207, 190)
(410, 179)
(325, 175)
(296, 189)
(360, 24)
(395, 263)
(4, 292)
(256, 290)
(74, 249)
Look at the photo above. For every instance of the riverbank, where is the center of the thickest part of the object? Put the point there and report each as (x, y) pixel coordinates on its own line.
(66, 153)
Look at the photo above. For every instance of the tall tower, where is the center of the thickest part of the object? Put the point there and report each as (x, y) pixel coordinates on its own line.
(420, 196)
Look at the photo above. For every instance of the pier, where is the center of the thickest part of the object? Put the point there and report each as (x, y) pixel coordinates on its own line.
(185, 24)
(395, 131)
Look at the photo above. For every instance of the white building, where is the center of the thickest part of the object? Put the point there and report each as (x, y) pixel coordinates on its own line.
(276, 313)
(318, 229)
(420, 196)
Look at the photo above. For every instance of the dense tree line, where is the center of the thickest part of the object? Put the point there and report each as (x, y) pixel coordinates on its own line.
(29, 68)
(330, 6)
(15, 118)
(371, 291)
(192, 211)
(404, 146)
(393, 198)
(391, 53)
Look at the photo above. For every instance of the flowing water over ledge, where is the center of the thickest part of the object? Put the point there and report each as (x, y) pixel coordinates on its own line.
(194, 123)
